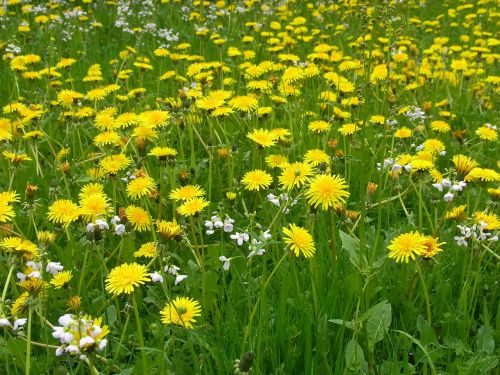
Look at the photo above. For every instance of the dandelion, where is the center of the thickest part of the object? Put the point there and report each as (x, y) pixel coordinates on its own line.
(406, 246)
(192, 206)
(263, 137)
(327, 191)
(299, 241)
(61, 279)
(63, 211)
(181, 311)
(125, 278)
(138, 217)
(140, 187)
(186, 192)
(295, 175)
(257, 180)
(147, 250)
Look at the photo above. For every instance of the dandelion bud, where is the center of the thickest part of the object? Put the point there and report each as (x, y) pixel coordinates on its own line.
(74, 303)
(371, 188)
(332, 143)
(223, 153)
(183, 175)
(30, 191)
(65, 167)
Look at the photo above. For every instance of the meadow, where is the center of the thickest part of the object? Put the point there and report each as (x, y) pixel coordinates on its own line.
(249, 187)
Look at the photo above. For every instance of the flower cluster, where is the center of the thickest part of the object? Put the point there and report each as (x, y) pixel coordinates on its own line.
(80, 335)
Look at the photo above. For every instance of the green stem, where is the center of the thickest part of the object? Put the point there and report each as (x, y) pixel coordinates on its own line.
(254, 310)
(28, 343)
(6, 286)
(122, 337)
(426, 294)
(139, 335)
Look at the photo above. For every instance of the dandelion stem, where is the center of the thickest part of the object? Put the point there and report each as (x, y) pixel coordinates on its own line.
(7, 282)
(426, 294)
(28, 343)
(139, 335)
(254, 310)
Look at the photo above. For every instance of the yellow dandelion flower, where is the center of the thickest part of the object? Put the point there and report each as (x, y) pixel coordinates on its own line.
(140, 187)
(406, 246)
(147, 250)
(257, 180)
(138, 217)
(491, 220)
(181, 311)
(61, 278)
(244, 103)
(168, 229)
(299, 240)
(186, 192)
(327, 191)
(432, 247)
(125, 278)
(192, 206)
(263, 137)
(295, 174)
(63, 211)
(487, 133)
(464, 164)
(482, 174)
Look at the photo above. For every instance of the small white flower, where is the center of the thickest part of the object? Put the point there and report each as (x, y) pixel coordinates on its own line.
(72, 349)
(461, 241)
(240, 237)
(448, 197)
(226, 262)
(228, 225)
(66, 337)
(156, 277)
(4, 322)
(18, 323)
(95, 331)
(115, 220)
(86, 341)
(446, 183)
(218, 223)
(35, 265)
(259, 252)
(35, 275)
(21, 276)
(438, 186)
(119, 229)
(102, 344)
(396, 168)
(66, 320)
(210, 232)
(173, 269)
(90, 227)
(59, 351)
(54, 267)
(266, 235)
(102, 224)
(408, 167)
(179, 278)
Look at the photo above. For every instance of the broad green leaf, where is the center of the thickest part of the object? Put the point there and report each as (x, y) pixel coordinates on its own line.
(111, 315)
(344, 323)
(427, 335)
(351, 245)
(380, 317)
(355, 357)
(485, 341)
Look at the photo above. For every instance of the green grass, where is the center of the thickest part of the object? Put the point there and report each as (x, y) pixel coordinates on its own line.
(349, 309)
